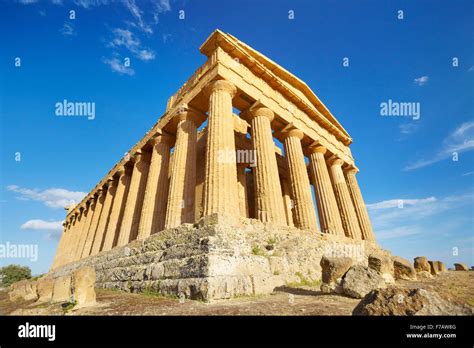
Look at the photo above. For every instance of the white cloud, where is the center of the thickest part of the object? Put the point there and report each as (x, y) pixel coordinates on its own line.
(408, 128)
(125, 38)
(27, 2)
(460, 140)
(396, 203)
(420, 81)
(397, 232)
(117, 66)
(42, 225)
(52, 197)
(68, 29)
(471, 68)
(137, 14)
(387, 215)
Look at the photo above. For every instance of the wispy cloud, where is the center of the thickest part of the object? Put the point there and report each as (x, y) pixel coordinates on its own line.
(391, 222)
(471, 68)
(460, 140)
(137, 14)
(125, 38)
(421, 81)
(27, 2)
(408, 128)
(68, 29)
(389, 214)
(396, 203)
(117, 66)
(52, 197)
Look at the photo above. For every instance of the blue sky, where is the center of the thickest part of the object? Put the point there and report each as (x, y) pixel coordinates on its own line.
(81, 59)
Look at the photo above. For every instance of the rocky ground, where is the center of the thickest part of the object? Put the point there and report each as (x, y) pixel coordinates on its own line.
(454, 286)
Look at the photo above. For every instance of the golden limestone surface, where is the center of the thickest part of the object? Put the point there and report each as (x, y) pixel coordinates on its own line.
(216, 151)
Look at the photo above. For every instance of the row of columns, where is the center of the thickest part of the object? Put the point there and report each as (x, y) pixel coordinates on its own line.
(142, 198)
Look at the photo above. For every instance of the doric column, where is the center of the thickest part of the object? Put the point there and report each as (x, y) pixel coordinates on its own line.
(118, 207)
(305, 216)
(61, 245)
(343, 197)
(359, 205)
(328, 211)
(81, 220)
(89, 211)
(220, 186)
(133, 207)
(99, 202)
(287, 201)
(182, 187)
(104, 216)
(242, 190)
(66, 256)
(153, 213)
(269, 203)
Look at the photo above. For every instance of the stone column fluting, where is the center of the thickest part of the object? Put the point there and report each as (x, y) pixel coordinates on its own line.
(242, 189)
(287, 201)
(89, 214)
(104, 218)
(182, 186)
(359, 205)
(133, 207)
(153, 213)
(61, 245)
(328, 211)
(81, 220)
(220, 186)
(99, 202)
(343, 197)
(118, 207)
(305, 215)
(268, 196)
(66, 256)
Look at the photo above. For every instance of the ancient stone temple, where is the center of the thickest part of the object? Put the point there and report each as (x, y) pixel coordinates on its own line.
(212, 161)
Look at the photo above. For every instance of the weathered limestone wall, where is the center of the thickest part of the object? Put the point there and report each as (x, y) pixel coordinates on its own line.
(215, 259)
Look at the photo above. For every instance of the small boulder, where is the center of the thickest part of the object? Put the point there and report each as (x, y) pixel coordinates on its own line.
(421, 264)
(44, 288)
(403, 301)
(62, 289)
(403, 269)
(440, 266)
(460, 267)
(360, 280)
(24, 289)
(433, 268)
(382, 263)
(83, 287)
(333, 268)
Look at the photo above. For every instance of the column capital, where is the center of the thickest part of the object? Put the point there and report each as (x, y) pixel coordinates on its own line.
(261, 111)
(351, 170)
(221, 85)
(335, 161)
(318, 148)
(293, 133)
(111, 182)
(161, 139)
(185, 114)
